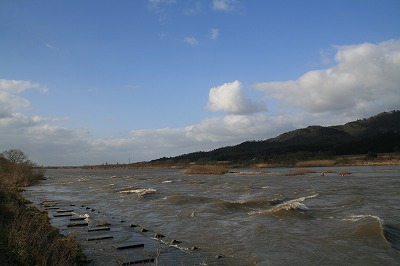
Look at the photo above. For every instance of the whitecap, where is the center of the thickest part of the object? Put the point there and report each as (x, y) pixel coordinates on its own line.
(140, 192)
(86, 217)
(356, 218)
(295, 204)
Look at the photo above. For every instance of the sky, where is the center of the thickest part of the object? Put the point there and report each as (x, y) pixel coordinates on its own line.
(93, 82)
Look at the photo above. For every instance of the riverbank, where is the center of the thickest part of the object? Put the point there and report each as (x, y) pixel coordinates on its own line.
(27, 238)
(26, 235)
(371, 159)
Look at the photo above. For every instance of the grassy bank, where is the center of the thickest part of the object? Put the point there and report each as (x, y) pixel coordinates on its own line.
(26, 236)
(293, 160)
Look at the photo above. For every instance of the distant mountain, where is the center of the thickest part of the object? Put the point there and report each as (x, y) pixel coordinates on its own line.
(377, 134)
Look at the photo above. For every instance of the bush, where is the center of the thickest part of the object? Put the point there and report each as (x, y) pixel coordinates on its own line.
(17, 170)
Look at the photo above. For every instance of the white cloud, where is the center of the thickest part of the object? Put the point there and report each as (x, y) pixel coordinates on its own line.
(10, 103)
(17, 86)
(365, 81)
(230, 98)
(191, 40)
(54, 145)
(214, 34)
(224, 5)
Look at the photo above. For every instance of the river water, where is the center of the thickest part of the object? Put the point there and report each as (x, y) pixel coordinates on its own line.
(242, 218)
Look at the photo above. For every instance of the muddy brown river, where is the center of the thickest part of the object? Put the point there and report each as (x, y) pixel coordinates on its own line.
(232, 219)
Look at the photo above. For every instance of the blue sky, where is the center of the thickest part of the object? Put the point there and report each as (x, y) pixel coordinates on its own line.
(89, 82)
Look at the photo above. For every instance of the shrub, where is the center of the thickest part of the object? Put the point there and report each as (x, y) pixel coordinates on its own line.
(17, 170)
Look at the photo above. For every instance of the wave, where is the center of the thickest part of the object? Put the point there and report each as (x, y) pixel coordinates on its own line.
(187, 199)
(139, 191)
(392, 235)
(220, 204)
(248, 204)
(371, 225)
(287, 208)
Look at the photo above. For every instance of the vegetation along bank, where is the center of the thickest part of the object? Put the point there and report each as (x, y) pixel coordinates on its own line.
(26, 236)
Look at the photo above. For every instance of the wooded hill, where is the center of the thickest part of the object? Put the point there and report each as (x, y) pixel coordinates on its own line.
(377, 134)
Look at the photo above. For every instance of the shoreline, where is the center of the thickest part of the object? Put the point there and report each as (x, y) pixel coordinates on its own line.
(108, 241)
(28, 238)
(331, 161)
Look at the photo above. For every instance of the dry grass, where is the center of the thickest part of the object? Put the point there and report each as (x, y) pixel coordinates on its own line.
(266, 165)
(251, 172)
(28, 238)
(300, 172)
(206, 170)
(316, 163)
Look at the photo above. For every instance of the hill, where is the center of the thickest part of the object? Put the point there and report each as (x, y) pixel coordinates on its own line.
(377, 134)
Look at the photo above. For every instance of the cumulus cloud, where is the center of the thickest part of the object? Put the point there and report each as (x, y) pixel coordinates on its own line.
(365, 80)
(224, 5)
(230, 98)
(191, 40)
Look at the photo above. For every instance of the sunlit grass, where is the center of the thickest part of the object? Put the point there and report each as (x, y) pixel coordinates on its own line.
(316, 163)
(206, 170)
